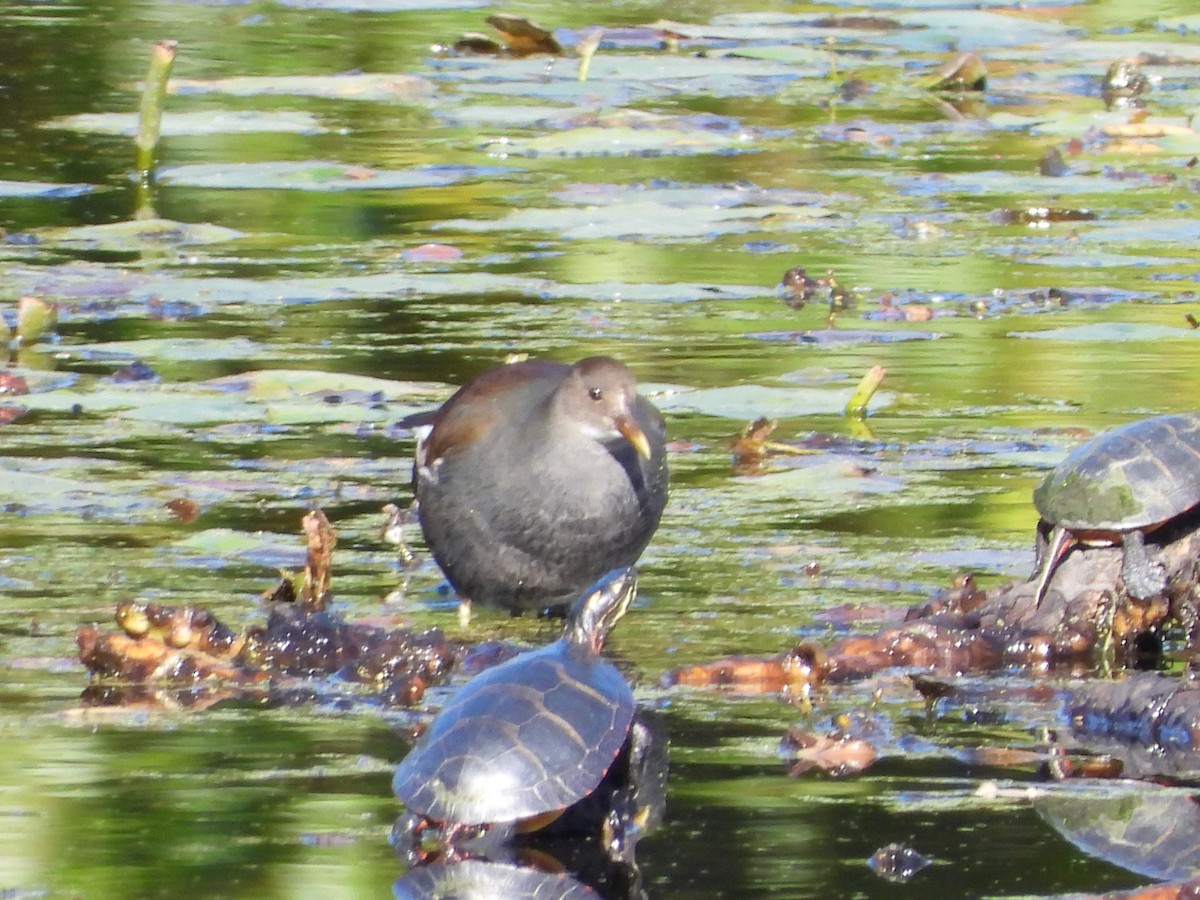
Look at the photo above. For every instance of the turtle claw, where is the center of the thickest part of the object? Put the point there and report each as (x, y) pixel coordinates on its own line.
(1143, 577)
(421, 840)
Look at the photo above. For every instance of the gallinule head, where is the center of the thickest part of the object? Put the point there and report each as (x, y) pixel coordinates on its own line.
(538, 477)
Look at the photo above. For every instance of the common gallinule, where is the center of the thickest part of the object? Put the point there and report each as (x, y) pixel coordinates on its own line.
(537, 478)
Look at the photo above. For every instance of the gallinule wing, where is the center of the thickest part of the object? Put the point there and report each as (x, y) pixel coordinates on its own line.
(538, 477)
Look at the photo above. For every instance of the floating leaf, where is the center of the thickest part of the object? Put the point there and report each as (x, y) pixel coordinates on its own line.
(242, 291)
(45, 189)
(1147, 129)
(383, 6)
(524, 36)
(315, 175)
(625, 142)
(353, 86)
(1107, 332)
(273, 384)
(842, 337)
(177, 349)
(99, 489)
(642, 220)
(1182, 24)
(1002, 184)
(139, 235)
(617, 81)
(740, 401)
(216, 547)
(821, 481)
(215, 122)
(929, 30)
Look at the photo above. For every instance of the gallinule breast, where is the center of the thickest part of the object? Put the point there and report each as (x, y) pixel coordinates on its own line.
(538, 477)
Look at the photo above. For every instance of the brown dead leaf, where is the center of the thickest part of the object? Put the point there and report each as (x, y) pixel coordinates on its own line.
(318, 565)
(13, 384)
(10, 413)
(1133, 148)
(523, 36)
(185, 510)
(836, 754)
(1146, 130)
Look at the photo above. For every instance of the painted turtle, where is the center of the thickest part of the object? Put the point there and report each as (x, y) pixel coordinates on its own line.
(1115, 488)
(523, 741)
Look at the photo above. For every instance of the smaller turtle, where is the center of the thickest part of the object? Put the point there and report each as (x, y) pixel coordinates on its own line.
(523, 741)
(1114, 489)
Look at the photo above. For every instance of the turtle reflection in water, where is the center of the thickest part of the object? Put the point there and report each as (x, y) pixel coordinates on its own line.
(474, 879)
(520, 744)
(1114, 489)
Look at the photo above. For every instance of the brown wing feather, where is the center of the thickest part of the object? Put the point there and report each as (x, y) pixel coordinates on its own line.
(476, 408)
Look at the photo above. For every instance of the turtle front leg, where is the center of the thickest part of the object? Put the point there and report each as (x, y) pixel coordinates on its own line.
(1143, 577)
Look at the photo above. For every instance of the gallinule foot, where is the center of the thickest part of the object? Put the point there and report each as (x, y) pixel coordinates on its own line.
(537, 478)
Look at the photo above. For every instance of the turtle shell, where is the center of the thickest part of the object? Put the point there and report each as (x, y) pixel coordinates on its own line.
(1131, 477)
(530, 736)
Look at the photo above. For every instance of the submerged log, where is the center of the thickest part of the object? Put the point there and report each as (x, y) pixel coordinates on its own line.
(185, 646)
(1085, 615)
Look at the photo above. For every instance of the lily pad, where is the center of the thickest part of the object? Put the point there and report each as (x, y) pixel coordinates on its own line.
(138, 235)
(742, 402)
(760, 30)
(1008, 184)
(97, 489)
(640, 220)
(960, 29)
(1156, 231)
(315, 175)
(278, 397)
(271, 384)
(1108, 332)
(1085, 260)
(352, 86)
(177, 349)
(616, 81)
(829, 480)
(842, 337)
(216, 122)
(507, 115)
(625, 142)
(45, 189)
(1181, 24)
(220, 291)
(219, 547)
(383, 6)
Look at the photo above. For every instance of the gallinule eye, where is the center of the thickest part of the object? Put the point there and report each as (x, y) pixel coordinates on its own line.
(538, 477)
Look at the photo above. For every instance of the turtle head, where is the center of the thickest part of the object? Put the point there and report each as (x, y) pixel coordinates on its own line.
(600, 607)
